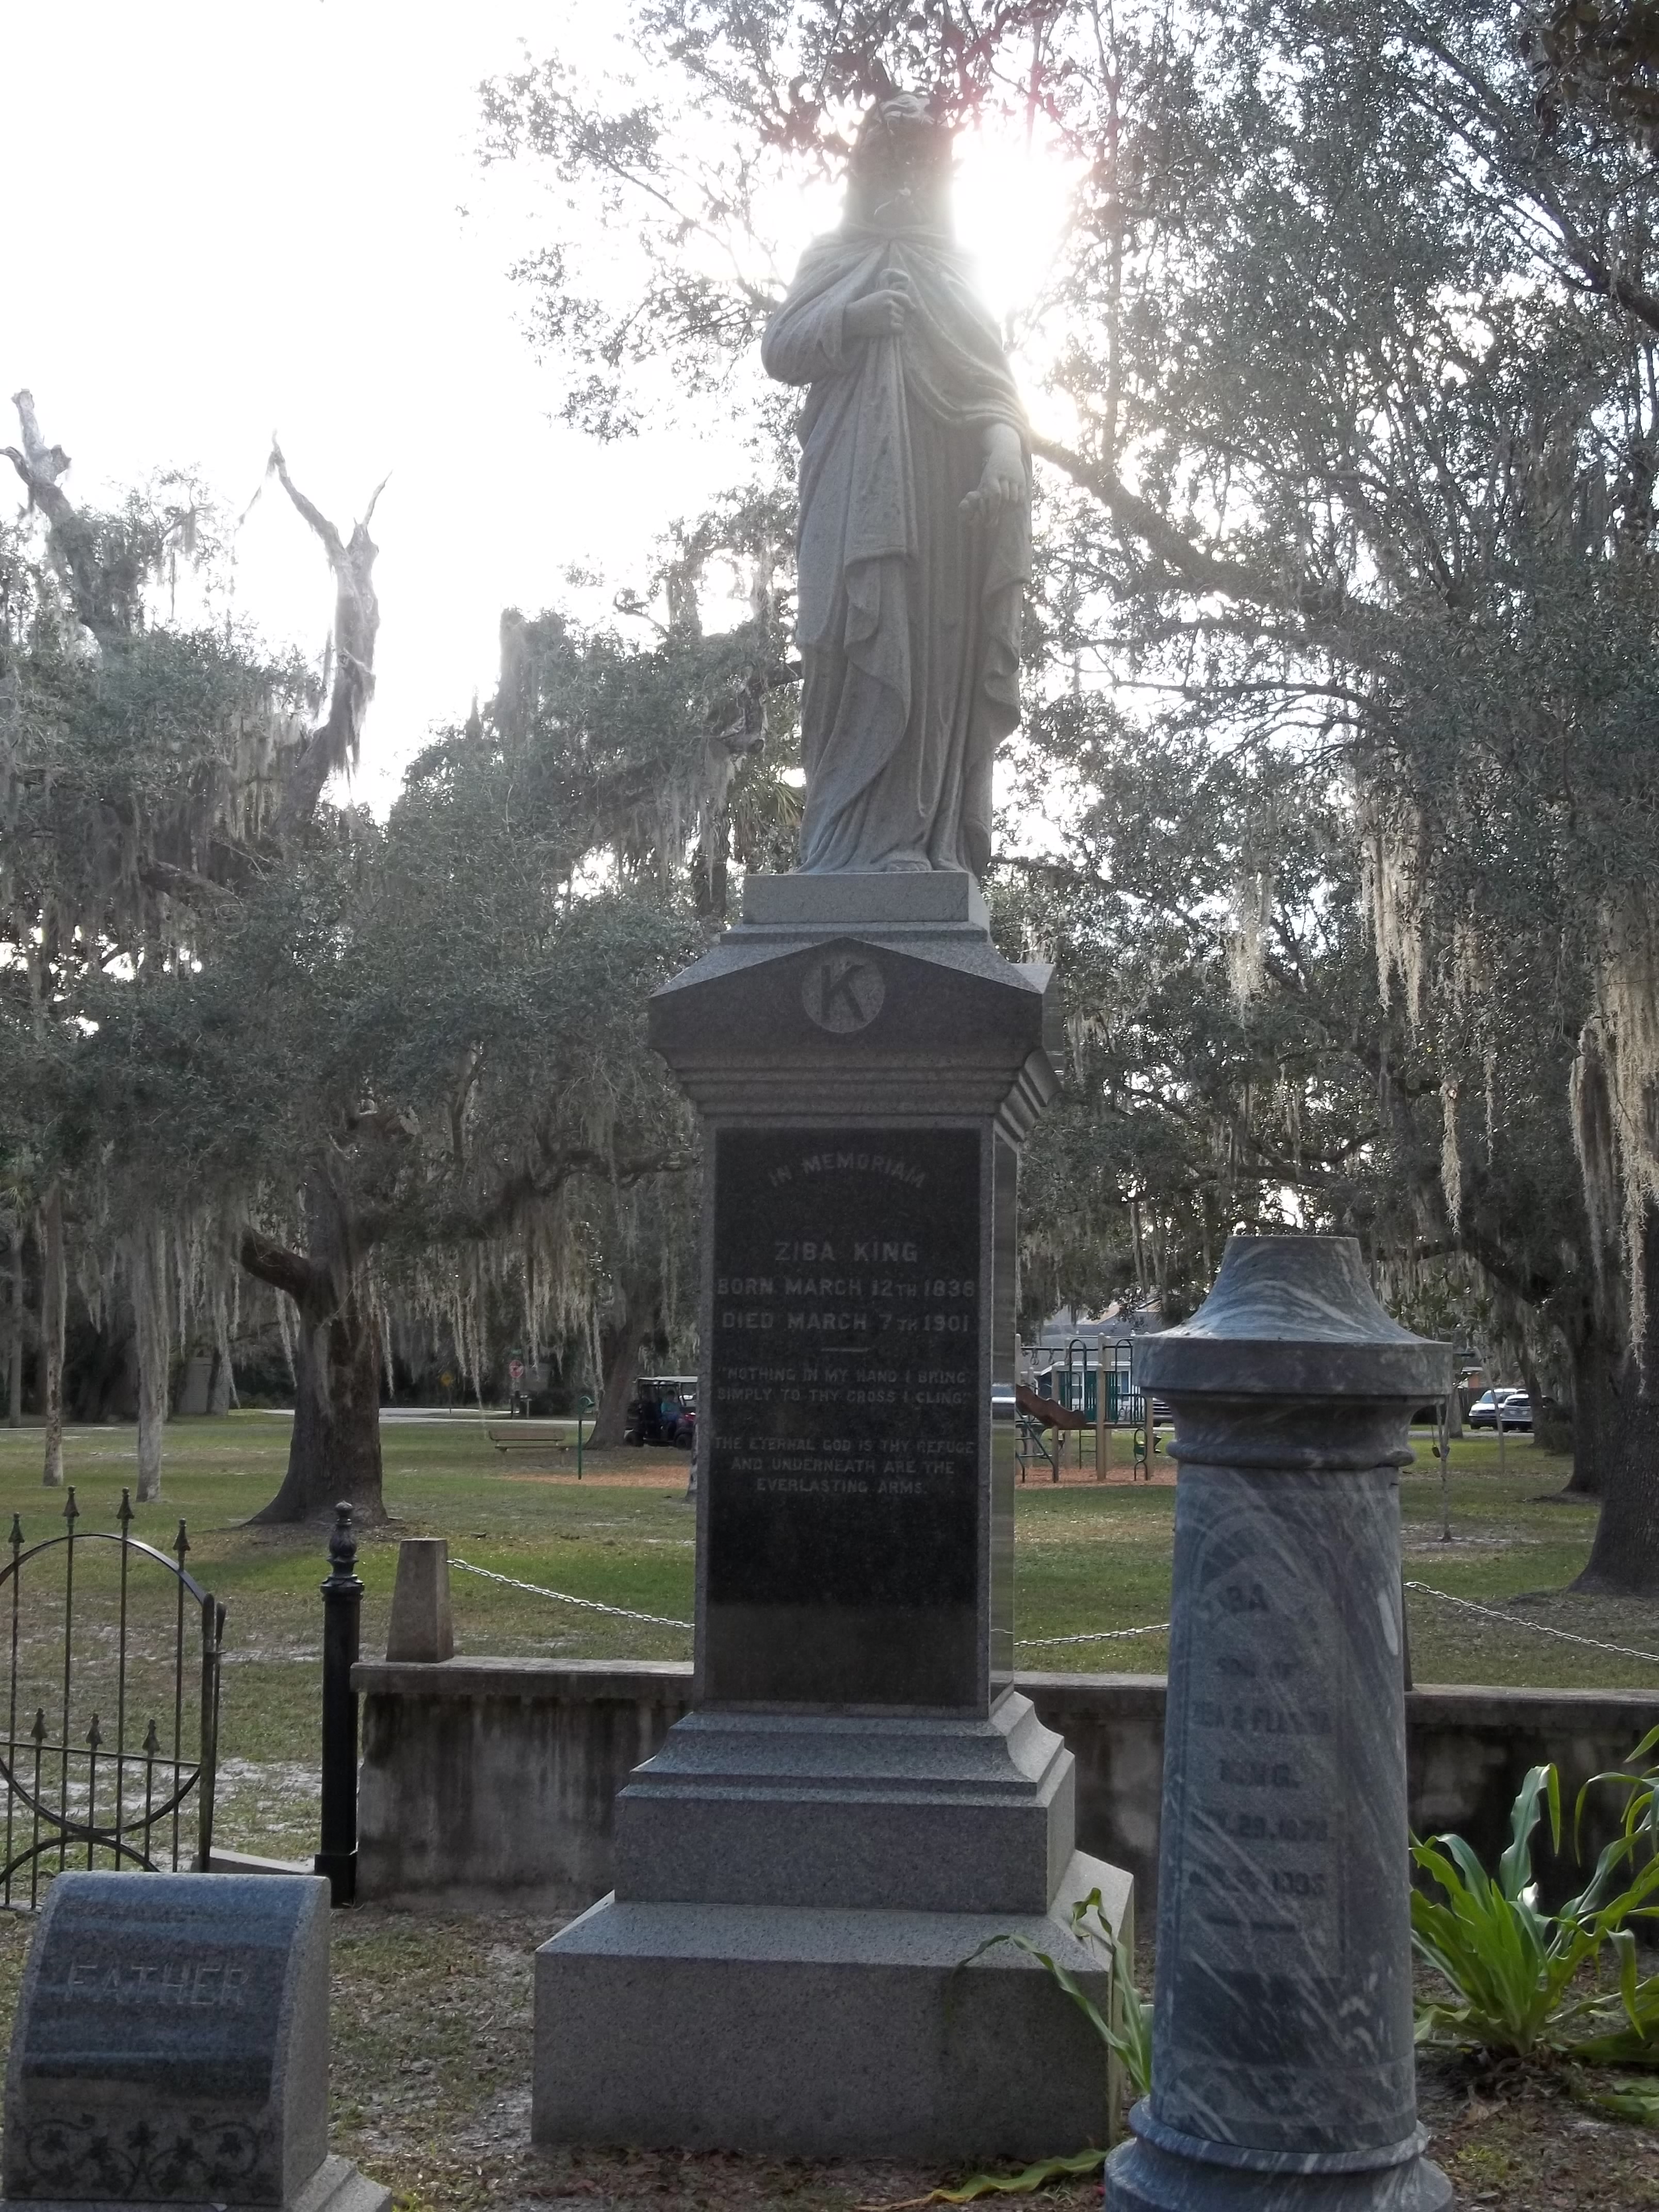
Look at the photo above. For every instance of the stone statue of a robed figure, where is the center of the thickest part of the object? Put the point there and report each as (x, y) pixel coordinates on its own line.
(916, 542)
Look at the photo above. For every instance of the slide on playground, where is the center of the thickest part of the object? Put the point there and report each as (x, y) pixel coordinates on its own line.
(1047, 1412)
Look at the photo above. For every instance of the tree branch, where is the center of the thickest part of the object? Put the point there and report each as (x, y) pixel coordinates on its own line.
(531, 1186)
(275, 1264)
(1200, 570)
(335, 741)
(74, 558)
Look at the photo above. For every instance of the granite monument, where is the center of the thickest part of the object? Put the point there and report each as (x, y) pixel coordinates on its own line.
(806, 1870)
(171, 2047)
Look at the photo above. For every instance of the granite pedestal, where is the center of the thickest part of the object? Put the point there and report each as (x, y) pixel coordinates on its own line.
(171, 2046)
(861, 1799)
(1284, 2075)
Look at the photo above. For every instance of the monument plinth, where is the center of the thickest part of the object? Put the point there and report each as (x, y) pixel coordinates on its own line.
(860, 1798)
(1283, 2070)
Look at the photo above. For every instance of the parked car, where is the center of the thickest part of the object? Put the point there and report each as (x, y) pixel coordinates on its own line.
(1003, 1407)
(1512, 1407)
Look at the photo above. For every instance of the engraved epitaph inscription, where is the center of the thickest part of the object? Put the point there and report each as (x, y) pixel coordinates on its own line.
(1263, 1865)
(847, 1418)
(1284, 2014)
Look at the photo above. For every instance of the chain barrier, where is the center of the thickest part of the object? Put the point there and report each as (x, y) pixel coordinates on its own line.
(1089, 1636)
(588, 1604)
(1538, 1627)
(1093, 1635)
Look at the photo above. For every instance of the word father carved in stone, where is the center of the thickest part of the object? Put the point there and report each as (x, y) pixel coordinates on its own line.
(180, 1983)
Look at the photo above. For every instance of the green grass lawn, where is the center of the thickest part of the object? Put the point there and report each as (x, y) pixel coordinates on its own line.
(1090, 1557)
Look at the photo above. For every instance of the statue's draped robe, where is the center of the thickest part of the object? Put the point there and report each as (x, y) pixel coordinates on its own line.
(908, 615)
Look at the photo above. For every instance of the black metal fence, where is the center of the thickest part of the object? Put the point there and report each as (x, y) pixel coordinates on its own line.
(111, 1716)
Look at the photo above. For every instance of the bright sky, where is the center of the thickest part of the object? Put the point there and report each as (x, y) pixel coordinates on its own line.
(229, 219)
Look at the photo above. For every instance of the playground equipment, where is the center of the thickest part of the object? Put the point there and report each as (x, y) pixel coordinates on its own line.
(1034, 1414)
(1068, 1395)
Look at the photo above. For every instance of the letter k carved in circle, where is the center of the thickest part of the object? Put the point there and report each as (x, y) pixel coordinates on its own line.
(842, 993)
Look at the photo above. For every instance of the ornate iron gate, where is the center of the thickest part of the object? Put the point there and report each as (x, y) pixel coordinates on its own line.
(115, 1646)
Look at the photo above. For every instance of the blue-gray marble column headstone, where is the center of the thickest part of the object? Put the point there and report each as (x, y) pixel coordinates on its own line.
(1284, 2078)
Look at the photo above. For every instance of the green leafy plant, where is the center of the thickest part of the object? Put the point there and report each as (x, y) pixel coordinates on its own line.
(1517, 1971)
(998, 2185)
(1640, 1821)
(1127, 2036)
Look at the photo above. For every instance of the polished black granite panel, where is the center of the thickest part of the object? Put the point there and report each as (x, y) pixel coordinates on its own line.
(845, 1420)
(1005, 1283)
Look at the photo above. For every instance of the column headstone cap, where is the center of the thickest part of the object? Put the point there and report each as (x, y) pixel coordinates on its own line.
(1294, 1316)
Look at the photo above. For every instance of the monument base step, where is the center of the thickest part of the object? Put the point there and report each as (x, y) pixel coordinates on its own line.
(1142, 2179)
(337, 2186)
(822, 2032)
(967, 1816)
(898, 898)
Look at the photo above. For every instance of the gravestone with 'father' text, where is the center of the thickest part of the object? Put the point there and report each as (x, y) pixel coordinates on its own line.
(171, 2047)
(806, 1871)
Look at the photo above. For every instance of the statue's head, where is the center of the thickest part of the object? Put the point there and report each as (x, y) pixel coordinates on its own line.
(899, 176)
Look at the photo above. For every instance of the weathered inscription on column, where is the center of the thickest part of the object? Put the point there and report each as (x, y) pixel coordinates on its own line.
(846, 1411)
(1263, 1864)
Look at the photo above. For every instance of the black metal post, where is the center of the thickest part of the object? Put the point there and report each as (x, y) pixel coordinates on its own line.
(343, 1600)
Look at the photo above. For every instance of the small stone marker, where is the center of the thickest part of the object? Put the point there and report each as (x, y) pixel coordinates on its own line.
(171, 2046)
(423, 1627)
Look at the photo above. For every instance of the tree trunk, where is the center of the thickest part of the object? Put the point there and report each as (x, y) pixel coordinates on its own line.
(222, 1390)
(223, 1382)
(619, 1348)
(1624, 1403)
(334, 1452)
(149, 1303)
(15, 1338)
(54, 1301)
(1591, 1390)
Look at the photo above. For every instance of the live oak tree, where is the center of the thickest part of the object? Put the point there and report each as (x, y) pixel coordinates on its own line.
(1347, 363)
(433, 1033)
(141, 767)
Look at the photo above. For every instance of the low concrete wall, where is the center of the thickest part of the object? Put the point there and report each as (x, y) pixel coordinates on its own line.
(485, 1779)
(489, 1778)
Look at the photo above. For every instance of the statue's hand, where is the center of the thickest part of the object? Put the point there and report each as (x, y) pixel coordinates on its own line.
(881, 314)
(1002, 485)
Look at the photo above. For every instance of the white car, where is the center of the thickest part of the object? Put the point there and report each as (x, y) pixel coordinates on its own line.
(1512, 1407)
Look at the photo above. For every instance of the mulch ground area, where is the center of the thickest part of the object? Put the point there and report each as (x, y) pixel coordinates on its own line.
(432, 2024)
(432, 2032)
(1526, 2146)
